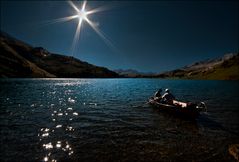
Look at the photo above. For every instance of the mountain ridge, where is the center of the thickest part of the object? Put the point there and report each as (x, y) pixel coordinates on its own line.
(222, 68)
(132, 73)
(19, 59)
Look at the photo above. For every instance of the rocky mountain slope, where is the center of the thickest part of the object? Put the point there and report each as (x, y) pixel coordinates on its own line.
(18, 59)
(131, 73)
(224, 68)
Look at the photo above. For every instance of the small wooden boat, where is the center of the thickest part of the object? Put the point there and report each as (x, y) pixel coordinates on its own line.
(191, 110)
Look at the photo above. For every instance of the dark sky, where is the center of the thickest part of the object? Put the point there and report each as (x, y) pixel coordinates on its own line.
(149, 36)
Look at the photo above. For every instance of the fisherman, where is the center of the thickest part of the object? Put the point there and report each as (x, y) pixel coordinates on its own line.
(168, 97)
(157, 95)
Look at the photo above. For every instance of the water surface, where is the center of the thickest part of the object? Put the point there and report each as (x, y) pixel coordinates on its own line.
(108, 120)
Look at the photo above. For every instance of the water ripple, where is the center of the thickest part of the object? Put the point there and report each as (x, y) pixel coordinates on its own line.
(107, 119)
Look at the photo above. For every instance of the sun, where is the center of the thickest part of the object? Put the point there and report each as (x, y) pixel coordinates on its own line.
(82, 14)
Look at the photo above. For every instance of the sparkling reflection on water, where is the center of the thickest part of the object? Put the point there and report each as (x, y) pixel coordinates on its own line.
(108, 120)
(52, 138)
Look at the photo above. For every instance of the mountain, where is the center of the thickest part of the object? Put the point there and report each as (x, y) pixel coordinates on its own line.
(131, 73)
(19, 59)
(224, 68)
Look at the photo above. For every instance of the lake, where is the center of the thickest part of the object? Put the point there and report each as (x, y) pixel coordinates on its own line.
(109, 120)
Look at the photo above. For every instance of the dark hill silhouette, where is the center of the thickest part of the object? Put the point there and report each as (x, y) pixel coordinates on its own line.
(224, 68)
(19, 59)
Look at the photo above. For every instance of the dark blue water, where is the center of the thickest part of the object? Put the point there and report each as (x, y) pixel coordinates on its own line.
(108, 120)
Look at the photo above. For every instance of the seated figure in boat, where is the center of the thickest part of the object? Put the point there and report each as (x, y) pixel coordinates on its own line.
(157, 95)
(168, 97)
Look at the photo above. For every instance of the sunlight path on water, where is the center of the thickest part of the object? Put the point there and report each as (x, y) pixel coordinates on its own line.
(103, 119)
(54, 138)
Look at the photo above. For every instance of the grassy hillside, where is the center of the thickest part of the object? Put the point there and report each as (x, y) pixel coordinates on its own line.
(19, 59)
(14, 64)
(225, 68)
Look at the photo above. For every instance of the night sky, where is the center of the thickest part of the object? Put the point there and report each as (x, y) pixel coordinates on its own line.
(149, 36)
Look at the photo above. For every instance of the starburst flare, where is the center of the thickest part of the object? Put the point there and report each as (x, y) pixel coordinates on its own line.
(82, 15)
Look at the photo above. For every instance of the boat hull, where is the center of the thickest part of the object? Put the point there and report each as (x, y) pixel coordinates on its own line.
(189, 112)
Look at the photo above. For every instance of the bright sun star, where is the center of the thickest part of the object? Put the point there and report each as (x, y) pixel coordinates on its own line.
(82, 14)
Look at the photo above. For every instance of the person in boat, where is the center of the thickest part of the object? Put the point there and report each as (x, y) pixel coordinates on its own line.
(157, 95)
(168, 97)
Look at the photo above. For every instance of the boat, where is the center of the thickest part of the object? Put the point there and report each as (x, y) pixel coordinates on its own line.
(186, 109)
